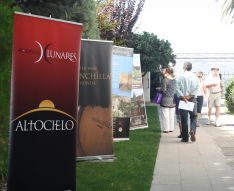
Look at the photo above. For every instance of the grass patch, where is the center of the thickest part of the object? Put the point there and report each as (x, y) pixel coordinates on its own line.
(133, 167)
(4, 119)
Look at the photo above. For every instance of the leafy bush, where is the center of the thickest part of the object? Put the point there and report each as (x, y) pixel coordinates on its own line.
(229, 96)
(7, 9)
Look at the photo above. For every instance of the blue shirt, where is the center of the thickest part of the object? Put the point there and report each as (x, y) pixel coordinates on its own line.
(187, 85)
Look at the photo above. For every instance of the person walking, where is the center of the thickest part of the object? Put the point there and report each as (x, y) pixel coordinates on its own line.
(200, 96)
(213, 84)
(187, 88)
(167, 105)
(178, 118)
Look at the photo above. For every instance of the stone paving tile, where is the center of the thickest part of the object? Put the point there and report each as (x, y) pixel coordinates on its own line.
(189, 166)
(197, 187)
(214, 165)
(173, 160)
(160, 187)
(168, 169)
(203, 179)
(193, 173)
(221, 187)
(222, 179)
(167, 179)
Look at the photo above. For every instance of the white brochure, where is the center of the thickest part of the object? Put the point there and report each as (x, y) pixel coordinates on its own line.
(186, 105)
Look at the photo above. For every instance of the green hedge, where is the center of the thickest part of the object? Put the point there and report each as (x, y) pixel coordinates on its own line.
(229, 96)
(5, 64)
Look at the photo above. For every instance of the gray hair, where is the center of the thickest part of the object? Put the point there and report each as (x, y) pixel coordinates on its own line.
(187, 66)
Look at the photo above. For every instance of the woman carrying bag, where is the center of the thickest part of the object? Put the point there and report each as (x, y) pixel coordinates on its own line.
(167, 105)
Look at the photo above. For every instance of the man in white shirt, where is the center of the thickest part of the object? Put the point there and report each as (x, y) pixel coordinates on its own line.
(213, 84)
(187, 88)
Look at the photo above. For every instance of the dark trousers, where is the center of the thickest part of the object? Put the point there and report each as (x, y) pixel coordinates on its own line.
(184, 121)
(199, 103)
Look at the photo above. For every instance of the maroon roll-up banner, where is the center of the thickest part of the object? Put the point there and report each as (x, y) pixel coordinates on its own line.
(44, 99)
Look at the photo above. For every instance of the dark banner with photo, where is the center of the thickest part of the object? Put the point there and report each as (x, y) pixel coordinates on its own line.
(94, 132)
(121, 91)
(44, 98)
(138, 114)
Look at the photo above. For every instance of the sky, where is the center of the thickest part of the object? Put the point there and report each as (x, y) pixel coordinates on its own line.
(191, 26)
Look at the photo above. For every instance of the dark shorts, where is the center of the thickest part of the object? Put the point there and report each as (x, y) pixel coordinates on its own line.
(199, 103)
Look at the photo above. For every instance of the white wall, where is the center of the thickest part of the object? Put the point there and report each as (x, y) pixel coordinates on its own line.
(146, 86)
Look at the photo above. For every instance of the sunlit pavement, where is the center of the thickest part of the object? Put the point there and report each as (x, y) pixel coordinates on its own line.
(204, 165)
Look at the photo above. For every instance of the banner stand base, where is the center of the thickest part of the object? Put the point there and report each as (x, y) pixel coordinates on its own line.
(140, 127)
(121, 139)
(99, 158)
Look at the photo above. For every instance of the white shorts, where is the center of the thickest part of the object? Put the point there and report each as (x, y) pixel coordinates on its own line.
(214, 100)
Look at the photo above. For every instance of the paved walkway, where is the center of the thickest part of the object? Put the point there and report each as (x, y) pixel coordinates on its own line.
(204, 165)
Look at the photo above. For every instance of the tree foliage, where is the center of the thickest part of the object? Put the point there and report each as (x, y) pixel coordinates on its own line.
(56, 9)
(155, 53)
(229, 96)
(84, 11)
(81, 11)
(116, 18)
(6, 20)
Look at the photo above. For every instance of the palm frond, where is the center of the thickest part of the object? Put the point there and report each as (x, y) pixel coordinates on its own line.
(228, 7)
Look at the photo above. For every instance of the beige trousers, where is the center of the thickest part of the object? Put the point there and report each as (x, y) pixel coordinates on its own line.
(167, 118)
